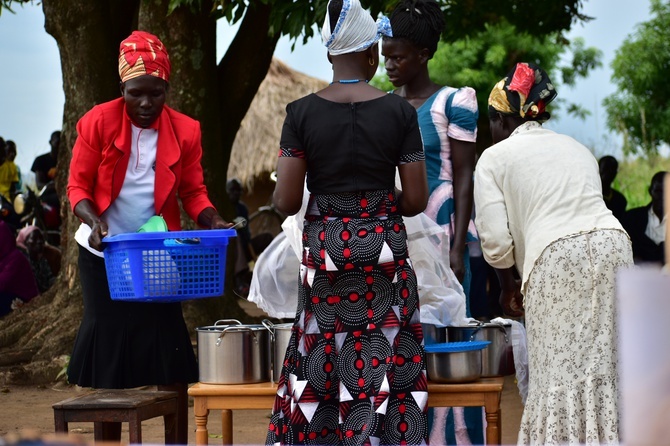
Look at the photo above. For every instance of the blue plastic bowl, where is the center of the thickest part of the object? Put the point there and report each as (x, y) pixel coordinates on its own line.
(456, 346)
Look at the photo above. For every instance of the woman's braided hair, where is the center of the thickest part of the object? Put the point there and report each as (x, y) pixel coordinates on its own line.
(334, 10)
(419, 21)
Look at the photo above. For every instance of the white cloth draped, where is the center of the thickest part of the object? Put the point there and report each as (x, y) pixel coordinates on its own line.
(354, 31)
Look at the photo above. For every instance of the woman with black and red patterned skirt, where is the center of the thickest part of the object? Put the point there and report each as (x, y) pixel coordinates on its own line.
(354, 369)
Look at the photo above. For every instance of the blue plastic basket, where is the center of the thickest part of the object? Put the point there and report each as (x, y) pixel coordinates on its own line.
(166, 266)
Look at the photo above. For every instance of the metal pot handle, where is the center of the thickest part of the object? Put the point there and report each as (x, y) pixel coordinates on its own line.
(237, 329)
(474, 333)
(271, 328)
(502, 328)
(227, 322)
(480, 325)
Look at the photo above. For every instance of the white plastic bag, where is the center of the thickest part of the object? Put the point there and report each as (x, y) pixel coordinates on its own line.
(520, 350)
(276, 274)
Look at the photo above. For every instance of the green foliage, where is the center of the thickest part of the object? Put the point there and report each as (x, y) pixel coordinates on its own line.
(640, 110)
(583, 60)
(292, 18)
(7, 5)
(482, 60)
(297, 18)
(538, 19)
(635, 176)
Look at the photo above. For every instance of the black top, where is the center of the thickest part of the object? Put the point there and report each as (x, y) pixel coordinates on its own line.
(616, 203)
(645, 249)
(43, 163)
(351, 146)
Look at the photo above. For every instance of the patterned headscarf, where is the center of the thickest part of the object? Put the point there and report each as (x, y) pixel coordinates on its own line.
(354, 31)
(23, 235)
(143, 53)
(524, 92)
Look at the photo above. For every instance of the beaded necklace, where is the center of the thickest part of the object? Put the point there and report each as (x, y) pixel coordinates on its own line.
(349, 81)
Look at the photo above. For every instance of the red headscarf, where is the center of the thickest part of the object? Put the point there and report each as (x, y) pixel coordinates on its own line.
(143, 53)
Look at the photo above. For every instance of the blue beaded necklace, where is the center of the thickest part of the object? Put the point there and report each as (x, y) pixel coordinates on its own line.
(349, 81)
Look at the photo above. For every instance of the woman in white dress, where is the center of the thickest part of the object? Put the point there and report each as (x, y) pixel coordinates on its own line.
(540, 211)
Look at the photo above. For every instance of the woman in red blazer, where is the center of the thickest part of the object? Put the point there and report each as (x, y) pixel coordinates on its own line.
(132, 158)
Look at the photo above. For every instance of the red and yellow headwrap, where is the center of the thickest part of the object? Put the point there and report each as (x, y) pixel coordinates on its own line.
(143, 53)
(525, 91)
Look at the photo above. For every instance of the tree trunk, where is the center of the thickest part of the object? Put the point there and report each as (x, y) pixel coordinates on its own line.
(219, 97)
(88, 34)
(40, 335)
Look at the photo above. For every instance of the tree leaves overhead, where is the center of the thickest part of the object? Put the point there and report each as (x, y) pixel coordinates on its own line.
(537, 18)
(463, 17)
(640, 109)
(6, 5)
(297, 18)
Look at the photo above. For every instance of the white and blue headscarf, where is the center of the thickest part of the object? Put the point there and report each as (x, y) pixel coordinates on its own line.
(354, 31)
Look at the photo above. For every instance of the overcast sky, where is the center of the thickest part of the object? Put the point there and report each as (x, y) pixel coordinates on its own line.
(31, 94)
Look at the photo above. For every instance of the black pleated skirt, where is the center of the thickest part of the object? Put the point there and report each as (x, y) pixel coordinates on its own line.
(127, 344)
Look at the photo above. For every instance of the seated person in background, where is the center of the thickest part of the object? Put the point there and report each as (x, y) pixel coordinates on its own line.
(244, 255)
(646, 225)
(614, 200)
(10, 150)
(44, 167)
(9, 175)
(17, 282)
(31, 242)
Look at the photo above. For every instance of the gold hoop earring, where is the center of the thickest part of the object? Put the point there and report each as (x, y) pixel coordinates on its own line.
(371, 61)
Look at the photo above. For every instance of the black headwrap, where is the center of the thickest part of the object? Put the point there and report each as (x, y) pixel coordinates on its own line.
(524, 92)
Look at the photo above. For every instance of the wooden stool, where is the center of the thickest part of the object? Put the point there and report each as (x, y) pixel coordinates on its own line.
(108, 407)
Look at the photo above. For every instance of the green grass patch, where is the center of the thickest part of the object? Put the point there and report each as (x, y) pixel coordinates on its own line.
(634, 178)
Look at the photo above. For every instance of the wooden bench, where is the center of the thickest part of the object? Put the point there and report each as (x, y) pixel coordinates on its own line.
(485, 392)
(109, 408)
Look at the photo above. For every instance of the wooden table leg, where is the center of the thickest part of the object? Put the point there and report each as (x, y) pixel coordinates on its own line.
(61, 424)
(135, 430)
(107, 431)
(227, 426)
(170, 427)
(201, 413)
(493, 417)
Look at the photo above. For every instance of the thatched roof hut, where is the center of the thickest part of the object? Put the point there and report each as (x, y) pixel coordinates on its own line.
(254, 153)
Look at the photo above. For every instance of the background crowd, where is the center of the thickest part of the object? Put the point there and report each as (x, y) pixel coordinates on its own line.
(30, 212)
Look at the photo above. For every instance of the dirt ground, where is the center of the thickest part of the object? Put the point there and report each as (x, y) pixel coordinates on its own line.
(26, 411)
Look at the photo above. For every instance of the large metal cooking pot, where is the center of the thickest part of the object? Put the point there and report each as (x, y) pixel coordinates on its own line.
(230, 352)
(498, 358)
(281, 334)
(433, 334)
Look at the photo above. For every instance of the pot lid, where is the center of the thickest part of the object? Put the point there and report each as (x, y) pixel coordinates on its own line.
(481, 325)
(231, 328)
(446, 347)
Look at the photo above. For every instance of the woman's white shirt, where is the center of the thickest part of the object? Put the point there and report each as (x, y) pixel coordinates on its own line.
(531, 189)
(135, 203)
